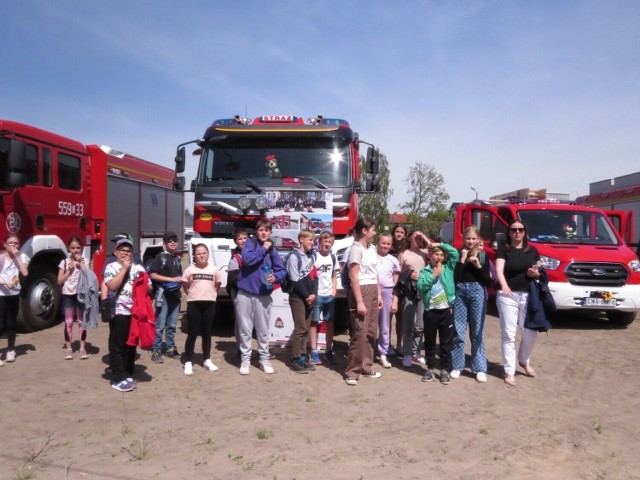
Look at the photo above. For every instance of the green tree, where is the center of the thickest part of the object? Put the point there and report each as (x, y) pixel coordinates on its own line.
(426, 208)
(376, 205)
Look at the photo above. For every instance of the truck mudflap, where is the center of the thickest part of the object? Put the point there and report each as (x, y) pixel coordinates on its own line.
(623, 299)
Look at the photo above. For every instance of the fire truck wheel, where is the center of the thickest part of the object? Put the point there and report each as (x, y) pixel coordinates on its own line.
(40, 300)
(621, 318)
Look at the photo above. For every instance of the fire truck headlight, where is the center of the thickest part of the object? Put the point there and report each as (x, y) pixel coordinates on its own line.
(635, 265)
(549, 263)
(261, 202)
(244, 202)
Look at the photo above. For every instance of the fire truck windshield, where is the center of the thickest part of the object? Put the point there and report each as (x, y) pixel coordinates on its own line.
(568, 226)
(270, 161)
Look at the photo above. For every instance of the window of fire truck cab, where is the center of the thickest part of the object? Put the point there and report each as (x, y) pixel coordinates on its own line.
(265, 160)
(568, 226)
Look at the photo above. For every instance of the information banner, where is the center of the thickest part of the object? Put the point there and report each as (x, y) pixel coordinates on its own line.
(290, 212)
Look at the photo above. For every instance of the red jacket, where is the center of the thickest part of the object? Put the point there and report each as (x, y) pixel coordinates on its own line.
(143, 319)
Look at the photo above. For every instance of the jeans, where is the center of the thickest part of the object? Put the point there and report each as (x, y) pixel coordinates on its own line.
(324, 305)
(166, 320)
(469, 308)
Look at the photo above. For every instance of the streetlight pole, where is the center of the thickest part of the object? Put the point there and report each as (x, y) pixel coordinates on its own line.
(472, 188)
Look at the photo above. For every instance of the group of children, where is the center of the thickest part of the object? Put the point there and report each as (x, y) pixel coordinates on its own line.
(257, 269)
(433, 289)
(435, 292)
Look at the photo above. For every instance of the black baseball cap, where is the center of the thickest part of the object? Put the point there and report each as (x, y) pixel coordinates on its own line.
(169, 236)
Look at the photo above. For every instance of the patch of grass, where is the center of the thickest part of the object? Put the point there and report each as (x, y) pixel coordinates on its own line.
(239, 459)
(273, 459)
(310, 399)
(24, 474)
(484, 431)
(263, 434)
(139, 450)
(598, 428)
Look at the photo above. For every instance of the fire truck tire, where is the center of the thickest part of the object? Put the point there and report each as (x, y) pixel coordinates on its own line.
(621, 318)
(40, 301)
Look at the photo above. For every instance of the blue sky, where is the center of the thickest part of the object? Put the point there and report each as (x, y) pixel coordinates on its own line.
(496, 95)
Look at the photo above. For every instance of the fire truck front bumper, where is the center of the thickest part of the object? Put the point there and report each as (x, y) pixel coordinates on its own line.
(624, 299)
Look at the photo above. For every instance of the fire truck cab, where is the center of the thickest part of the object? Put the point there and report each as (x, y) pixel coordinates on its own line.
(53, 188)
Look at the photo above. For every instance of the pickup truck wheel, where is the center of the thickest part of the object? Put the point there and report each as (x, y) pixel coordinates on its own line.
(621, 318)
(40, 300)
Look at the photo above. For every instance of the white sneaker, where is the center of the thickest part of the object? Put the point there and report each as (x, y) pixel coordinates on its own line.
(481, 377)
(454, 374)
(209, 365)
(420, 359)
(266, 366)
(384, 362)
(11, 356)
(407, 362)
(188, 368)
(244, 368)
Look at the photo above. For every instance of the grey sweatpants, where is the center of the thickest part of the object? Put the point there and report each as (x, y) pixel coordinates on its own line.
(252, 311)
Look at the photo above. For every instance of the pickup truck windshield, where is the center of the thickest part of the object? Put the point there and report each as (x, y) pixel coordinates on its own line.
(568, 227)
(267, 161)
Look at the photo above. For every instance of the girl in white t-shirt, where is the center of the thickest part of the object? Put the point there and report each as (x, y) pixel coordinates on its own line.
(201, 283)
(68, 276)
(364, 301)
(12, 265)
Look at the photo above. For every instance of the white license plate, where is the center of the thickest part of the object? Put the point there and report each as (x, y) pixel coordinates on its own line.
(598, 301)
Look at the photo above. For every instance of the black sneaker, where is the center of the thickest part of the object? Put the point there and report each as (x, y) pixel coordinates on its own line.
(444, 377)
(156, 357)
(428, 375)
(305, 361)
(173, 353)
(298, 366)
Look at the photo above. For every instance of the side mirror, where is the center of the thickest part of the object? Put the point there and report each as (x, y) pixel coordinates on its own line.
(16, 156)
(372, 165)
(180, 162)
(16, 164)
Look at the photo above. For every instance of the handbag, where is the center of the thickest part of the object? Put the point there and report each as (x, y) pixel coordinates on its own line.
(108, 305)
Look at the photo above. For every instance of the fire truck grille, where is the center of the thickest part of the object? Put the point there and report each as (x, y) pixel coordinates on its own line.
(594, 274)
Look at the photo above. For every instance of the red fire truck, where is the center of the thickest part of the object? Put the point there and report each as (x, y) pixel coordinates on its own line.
(53, 188)
(589, 265)
(248, 166)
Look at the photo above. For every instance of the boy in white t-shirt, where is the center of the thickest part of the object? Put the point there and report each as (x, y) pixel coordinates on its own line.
(328, 268)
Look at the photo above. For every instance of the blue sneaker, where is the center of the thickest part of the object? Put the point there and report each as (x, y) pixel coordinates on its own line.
(328, 356)
(315, 358)
(123, 386)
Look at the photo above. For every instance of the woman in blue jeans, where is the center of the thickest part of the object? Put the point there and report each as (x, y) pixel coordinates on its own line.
(472, 275)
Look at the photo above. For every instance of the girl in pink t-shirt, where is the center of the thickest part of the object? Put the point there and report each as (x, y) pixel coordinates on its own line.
(68, 277)
(201, 283)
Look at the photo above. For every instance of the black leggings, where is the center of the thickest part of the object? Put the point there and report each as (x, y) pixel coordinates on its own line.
(122, 357)
(199, 320)
(9, 306)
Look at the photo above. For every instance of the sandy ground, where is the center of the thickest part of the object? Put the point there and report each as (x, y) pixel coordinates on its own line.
(578, 419)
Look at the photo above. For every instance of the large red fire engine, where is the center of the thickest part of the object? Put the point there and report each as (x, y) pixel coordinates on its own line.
(275, 163)
(588, 264)
(53, 188)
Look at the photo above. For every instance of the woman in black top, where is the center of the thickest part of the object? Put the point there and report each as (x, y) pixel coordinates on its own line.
(516, 263)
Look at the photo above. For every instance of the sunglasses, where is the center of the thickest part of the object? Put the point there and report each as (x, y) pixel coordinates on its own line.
(517, 230)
